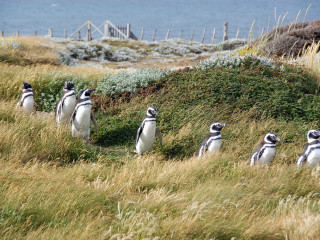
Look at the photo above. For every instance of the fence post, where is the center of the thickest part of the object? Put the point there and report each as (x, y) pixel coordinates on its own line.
(141, 36)
(50, 32)
(2, 33)
(154, 35)
(128, 30)
(35, 33)
(181, 33)
(238, 31)
(225, 31)
(106, 30)
(192, 35)
(65, 33)
(89, 32)
(203, 35)
(168, 33)
(214, 36)
(79, 35)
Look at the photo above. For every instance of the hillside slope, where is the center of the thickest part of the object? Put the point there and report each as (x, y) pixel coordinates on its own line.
(55, 187)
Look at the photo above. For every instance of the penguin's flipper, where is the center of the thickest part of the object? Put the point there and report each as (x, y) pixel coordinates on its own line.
(58, 109)
(302, 157)
(140, 129)
(94, 121)
(19, 104)
(73, 115)
(253, 158)
(158, 134)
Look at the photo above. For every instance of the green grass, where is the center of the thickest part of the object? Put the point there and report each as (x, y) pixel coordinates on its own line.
(55, 187)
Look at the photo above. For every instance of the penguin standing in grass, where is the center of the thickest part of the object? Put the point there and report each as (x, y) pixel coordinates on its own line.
(82, 115)
(212, 141)
(26, 102)
(147, 132)
(66, 105)
(266, 150)
(311, 153)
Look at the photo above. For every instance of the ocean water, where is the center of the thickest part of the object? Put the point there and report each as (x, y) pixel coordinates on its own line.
(30, 15)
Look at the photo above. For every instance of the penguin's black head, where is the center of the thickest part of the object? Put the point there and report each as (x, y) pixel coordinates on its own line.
(85, 94)
(271, 138)
(26, 85)
(216, 127)
(152, 111)
(68, 86)
(313, 135)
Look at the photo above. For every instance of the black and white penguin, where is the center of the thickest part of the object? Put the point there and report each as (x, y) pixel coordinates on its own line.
(147, 131)
(66, 104)
(266, 150)
(311, 152)
(82, 115)
(26, 102)
(212, 141)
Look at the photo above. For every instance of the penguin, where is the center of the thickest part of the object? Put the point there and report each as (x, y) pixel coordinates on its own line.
(66, 105)
(147, 131)
(212, 141)
(26, 101)
(82, 115)
(266, 150)
(311, 152)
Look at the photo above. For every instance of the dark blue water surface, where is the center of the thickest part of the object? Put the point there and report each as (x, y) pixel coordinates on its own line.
(29, 15)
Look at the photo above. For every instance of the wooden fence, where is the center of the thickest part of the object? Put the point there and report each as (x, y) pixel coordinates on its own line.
(107, 30)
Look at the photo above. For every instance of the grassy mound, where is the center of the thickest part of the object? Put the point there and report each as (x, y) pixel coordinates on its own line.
(189, 102)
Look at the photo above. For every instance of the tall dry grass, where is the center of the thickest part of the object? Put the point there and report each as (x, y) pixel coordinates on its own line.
(218, 196)
(33, 50)
(36, 137)
(311, 57)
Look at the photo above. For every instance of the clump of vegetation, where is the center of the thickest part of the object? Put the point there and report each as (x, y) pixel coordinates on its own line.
(129, 82)
(290, 40)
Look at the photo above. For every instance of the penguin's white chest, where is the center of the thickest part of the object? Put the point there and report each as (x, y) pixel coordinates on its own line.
(81, 122)
(67, 109)
(314, 157)
(214, 145)
(147, 137)
(27, 105)
(268, 155)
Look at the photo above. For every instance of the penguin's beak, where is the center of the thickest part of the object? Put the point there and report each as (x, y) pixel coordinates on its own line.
(277, 139)
(223, 124)
(317, 133)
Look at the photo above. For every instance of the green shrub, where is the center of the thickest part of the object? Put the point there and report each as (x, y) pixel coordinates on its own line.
(214, 94)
